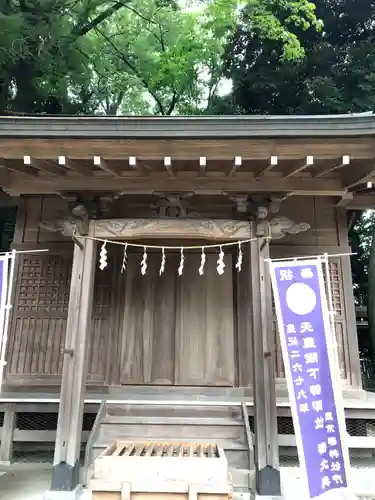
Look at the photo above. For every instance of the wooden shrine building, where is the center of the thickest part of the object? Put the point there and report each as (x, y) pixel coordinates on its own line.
(165, 356)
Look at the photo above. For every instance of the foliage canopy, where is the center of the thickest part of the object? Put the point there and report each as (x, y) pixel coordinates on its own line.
(130, 56)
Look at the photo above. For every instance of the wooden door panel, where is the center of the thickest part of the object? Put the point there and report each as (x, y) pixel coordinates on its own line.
(205, 326)
(148, 324)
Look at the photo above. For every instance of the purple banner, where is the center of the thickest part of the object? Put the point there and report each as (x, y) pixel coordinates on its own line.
(304, 327)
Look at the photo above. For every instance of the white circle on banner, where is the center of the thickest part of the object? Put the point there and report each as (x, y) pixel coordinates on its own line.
(300, 298)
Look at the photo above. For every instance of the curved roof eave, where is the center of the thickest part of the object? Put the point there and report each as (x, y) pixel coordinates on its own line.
(188, 127)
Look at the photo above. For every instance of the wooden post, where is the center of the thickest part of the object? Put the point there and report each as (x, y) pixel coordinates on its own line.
(355, 376)
(266, 446)
(6, 446)
(69, 426)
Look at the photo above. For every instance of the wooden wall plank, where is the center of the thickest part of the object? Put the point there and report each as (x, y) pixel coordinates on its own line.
(147, 326)
(244, 345)
(33, 210)
(319, 212)
(52, 208)
(205, 325)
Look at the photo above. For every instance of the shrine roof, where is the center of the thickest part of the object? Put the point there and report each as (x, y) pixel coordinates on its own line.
(239, 126)
(319, 155)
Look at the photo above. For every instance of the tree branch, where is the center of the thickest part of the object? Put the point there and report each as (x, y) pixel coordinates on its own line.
(151, 21)
(135, 71)
(82, 29)
(173, 103)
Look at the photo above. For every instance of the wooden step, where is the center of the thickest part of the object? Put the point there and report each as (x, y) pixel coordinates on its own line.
(221, 425)
(174, 411)
(174, 420)
(181, 432)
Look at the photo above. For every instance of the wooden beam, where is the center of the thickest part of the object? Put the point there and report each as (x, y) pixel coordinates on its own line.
(104, 165)
(202, 165)
(362, 202)
(7, 438)
(182, 149)
(213, 229)
(66, 162)
(21, 169)
(140, 166)
(354, 368)
(267, 473)
(210, 184)
(237, 163)
(69, 426)
(34, 436)
(45, 166)
(359, 175)
(327, 170)
(306, 164)
(168, 166)
(272, 164)
(345, 200)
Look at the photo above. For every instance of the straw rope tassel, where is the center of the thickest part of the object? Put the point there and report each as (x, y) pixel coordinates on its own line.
(144, 262)
(162, 264)
(203, 262)
(182, 260)
(239, 258)
(103, 263)
(220, 262)
(124, 259)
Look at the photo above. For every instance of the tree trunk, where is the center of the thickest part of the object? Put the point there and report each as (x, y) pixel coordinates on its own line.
(371, 291)
(27, 99)
(5, 79)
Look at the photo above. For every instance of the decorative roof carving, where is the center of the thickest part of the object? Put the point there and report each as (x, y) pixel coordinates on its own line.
(219, 229)
(63, 225)
(173, 206)
(280, 226)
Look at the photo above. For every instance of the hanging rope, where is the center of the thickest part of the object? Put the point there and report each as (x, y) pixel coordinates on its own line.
(176, 247)
(220, 264)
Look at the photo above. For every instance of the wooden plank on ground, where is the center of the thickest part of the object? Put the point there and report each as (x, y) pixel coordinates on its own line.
(111, 495)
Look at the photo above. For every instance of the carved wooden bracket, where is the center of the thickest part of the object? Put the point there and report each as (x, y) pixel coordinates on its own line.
(63, 225)
(173, 205)
(258, 207)
(78, 222)
(281, 226)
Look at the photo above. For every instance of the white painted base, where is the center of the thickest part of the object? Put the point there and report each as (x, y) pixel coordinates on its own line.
(4, 464)
(77, 494)
(242, 496)
(362, 482)
(268, 497)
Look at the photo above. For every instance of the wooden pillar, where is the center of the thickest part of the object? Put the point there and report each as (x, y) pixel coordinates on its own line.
(267, 471)
(6, 446)
(69, 426)
(355, 376)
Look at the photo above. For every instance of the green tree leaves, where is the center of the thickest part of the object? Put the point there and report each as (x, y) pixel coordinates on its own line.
(130, 56)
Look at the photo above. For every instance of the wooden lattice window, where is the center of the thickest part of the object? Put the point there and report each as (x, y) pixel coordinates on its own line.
(44, 284)
(335, 284)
